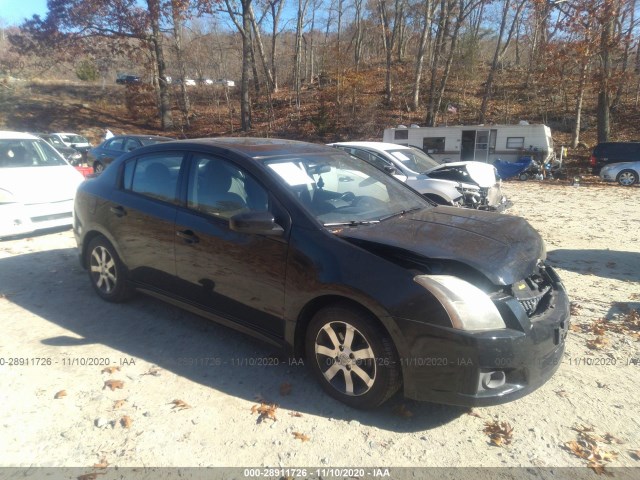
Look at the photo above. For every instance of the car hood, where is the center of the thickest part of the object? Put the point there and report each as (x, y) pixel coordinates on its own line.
(31, 185)
(482, 174)
(504, 248)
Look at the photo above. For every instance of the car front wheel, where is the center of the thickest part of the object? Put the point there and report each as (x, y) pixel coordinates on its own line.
(106, 271)
(352, 356)
(626, 178)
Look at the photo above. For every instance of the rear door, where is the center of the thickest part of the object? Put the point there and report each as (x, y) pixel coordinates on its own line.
(141, 217)
(236, 275)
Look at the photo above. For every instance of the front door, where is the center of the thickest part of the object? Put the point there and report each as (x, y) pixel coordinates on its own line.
(236, 275)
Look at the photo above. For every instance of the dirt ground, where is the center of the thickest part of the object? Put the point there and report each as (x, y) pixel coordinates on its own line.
(187, 386)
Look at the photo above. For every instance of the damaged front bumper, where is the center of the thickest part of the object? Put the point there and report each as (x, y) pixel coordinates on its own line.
(457, 367)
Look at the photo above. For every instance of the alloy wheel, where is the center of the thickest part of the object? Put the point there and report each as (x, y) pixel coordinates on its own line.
(345, 358)
(103, 270)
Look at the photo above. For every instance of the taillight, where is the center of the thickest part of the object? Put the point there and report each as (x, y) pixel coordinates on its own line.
(592, 161)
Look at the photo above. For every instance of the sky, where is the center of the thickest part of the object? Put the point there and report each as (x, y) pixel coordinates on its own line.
(13, 12)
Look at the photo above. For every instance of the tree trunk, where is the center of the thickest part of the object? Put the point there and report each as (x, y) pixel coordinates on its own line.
(177, 36)
(245, 107)
(604, 95)
(422, 49)
(164, 108)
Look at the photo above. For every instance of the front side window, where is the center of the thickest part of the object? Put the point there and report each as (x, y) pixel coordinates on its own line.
(131, 144)
(221, 189)
(154, 176)
(413, 159)
(28, 153)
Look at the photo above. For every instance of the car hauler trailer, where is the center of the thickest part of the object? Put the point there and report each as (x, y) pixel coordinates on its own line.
(482, 143)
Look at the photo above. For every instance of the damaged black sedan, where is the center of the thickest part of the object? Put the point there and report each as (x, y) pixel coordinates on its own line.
(324, 255)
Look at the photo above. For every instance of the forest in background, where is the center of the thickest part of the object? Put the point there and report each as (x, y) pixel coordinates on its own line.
(335, 69)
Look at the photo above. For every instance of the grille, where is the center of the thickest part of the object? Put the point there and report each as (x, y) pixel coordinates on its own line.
(531, 293)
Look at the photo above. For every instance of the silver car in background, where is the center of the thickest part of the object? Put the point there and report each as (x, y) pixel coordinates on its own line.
(625, 173)
(473, 184)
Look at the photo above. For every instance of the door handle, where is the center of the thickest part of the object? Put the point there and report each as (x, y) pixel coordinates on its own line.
(188, 236)
(118, 211)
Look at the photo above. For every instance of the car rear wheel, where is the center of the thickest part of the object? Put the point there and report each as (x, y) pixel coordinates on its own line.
(626, 178)
(352, 356)
(106, 271)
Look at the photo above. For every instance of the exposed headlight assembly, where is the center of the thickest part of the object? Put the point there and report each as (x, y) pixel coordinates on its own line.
(468, 307)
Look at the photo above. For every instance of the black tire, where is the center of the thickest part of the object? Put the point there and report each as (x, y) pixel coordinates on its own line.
(352, 356)
(107, 273)
(98, 167)
(627, 178)
(523, 176)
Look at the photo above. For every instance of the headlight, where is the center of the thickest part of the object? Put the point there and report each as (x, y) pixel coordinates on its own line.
(469, 308)
(6, 197)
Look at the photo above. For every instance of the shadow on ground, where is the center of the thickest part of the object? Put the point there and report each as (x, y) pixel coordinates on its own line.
(612, 264)
(52, 285)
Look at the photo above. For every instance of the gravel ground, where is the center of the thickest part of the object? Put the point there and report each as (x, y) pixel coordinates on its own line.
(53, 322)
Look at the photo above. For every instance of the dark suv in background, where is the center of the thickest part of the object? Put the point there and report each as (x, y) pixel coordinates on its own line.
(613, 152)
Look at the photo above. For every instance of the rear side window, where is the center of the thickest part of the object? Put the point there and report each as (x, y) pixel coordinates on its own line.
(155, 176)
(28, 153)
(115, 144)
(221, 189)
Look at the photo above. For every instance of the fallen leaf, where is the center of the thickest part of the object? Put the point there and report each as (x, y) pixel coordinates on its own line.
(285, 389)
(602, 385)
(473, 413)
(500, 433)
(301, 436)
(60, 394)
(118, 404)
(113, 384)
(635, 454)
(103, 464)
(597, 343)
(110, 370)
(611, 439)
(561, 393)
(180, 404)
(126, 421)
(599, 469)
(295, 414)
(155, 371)
(265, 411)
(403, 411)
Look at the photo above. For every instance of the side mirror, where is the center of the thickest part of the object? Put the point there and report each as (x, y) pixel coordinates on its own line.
(257, 223)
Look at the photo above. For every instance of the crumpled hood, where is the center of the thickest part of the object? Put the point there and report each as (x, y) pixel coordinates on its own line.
(504, 248)
(481, 173)
(31, 185)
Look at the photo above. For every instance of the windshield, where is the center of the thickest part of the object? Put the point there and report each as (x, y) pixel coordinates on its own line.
(28, 153)
(414, 159)
(74, 139)
(339, 189)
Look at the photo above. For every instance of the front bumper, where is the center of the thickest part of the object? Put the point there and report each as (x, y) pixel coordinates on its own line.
(19, 219)
(455, 367)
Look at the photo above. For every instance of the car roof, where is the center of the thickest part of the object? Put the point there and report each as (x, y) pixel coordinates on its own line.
(137, 135)
(380, 146)
(260, 147)
(8, 135)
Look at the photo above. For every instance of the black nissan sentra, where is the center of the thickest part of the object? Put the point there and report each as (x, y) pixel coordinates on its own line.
(333, 260)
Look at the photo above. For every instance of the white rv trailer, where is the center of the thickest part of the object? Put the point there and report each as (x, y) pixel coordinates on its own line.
(482, 143)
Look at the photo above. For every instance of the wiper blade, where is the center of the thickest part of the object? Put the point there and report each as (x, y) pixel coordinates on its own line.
(402, 212)
(351, 223)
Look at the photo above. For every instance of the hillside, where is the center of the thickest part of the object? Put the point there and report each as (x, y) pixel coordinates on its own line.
(349, 107)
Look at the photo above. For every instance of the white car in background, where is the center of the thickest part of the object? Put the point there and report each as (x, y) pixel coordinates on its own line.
(476, 182)
(37, 185)
(73, 140)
